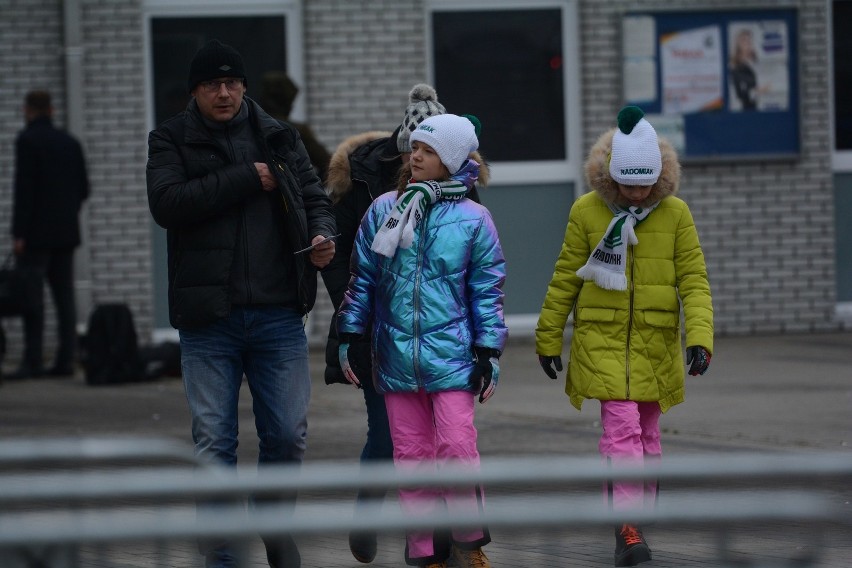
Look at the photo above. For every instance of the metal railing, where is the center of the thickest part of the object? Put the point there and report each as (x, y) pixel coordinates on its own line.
(104, 493)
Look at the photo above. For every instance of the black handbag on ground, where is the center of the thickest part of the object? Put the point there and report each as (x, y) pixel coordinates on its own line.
(21, 288)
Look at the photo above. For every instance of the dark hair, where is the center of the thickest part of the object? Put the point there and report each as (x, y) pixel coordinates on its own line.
(38, 101)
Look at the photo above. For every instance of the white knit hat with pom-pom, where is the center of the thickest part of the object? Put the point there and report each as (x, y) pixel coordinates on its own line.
(635, 157)
(422, 103)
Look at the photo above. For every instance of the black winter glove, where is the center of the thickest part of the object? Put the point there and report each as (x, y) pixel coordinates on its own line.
(486, 371)
(698, 358)
(350, 371)
(546, 363)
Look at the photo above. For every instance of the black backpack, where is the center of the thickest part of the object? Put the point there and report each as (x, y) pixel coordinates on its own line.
(111, 351)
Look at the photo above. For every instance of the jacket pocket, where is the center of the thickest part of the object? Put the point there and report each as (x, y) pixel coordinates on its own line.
(596, 314)
(659, 318)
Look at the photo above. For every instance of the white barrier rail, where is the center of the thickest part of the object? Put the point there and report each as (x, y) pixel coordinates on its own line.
(132, 503)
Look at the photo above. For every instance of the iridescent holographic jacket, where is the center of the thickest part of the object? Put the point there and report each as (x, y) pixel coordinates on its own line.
(432, 303)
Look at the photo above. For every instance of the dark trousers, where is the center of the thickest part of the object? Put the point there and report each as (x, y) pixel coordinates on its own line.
(379, 445)
(57, 267)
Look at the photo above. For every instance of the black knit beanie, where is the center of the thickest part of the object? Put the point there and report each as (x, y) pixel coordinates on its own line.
(215, 59)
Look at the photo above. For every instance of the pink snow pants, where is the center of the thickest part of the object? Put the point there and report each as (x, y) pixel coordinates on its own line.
(428, 431)
(631, 436)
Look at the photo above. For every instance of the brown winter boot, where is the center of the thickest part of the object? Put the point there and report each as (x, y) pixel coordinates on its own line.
(470, 558)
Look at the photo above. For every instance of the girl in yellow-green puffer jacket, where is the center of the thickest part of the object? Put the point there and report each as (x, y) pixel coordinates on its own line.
(630, 261)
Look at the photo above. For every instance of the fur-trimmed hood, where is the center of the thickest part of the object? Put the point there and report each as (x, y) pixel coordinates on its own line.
(597, 171)
(376, 146)
(339, 178)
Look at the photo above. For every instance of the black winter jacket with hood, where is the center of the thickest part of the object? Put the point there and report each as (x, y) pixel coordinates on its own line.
(201, 194)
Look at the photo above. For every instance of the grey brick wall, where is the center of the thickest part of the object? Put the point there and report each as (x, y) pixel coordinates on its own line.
(119, 234)
(766, 227)
(361, 60)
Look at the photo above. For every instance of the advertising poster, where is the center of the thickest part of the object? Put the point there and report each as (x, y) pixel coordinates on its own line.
(692, 70)
(758, 58)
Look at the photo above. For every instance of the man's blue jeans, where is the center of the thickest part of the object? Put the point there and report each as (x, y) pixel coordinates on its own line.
(268, 345)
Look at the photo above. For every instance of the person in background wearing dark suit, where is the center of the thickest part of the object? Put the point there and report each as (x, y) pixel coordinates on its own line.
(51, 184)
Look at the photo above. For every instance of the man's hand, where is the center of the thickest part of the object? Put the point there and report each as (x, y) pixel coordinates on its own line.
(698, 358)
(322, 254)
(546, 363)
(19, 246)
(267, 180)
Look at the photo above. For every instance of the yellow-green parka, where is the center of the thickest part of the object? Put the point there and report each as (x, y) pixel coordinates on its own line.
(626, 345)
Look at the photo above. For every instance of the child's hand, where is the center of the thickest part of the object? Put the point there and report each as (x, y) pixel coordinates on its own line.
(546, 363)
(485, 372)
(698, 358)
(343, 357)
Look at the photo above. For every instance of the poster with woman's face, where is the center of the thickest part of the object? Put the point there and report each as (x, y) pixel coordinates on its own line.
(758, 55)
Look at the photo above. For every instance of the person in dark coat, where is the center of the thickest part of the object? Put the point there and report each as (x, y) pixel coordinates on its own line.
(278, 92)
(246, 219)
(51, 184)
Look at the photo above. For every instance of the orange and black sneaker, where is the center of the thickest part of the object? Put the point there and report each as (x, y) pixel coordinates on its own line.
(630, 546)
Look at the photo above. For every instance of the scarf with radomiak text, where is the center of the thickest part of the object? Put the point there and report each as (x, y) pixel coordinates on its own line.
(607, 264)
(397, 229)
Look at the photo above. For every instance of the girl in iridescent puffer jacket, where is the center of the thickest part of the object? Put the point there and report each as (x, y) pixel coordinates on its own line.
(428, 271)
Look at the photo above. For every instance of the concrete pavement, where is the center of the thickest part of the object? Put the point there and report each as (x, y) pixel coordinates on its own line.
(788, 393)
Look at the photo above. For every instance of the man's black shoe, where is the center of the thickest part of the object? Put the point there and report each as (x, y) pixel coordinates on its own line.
(362, 544)
(282, 552)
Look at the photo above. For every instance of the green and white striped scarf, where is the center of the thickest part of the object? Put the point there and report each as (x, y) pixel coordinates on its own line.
(398, 227)
(607, 264)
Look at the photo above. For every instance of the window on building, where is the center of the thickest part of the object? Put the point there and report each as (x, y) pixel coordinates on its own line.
(842, 15)
(511, 66)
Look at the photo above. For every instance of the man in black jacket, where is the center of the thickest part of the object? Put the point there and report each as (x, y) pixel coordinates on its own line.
(246, 219)
(50, 186)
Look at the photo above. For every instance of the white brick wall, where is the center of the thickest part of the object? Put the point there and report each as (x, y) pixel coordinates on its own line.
(766, 227)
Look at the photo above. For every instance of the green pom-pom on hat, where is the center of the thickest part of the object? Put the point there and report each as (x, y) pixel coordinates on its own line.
(628, 117)
(477, 126)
